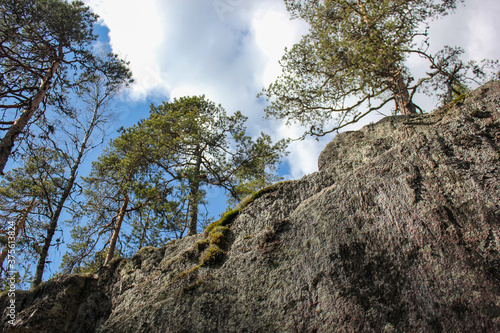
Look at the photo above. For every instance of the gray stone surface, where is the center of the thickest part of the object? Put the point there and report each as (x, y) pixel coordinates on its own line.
(399, 231)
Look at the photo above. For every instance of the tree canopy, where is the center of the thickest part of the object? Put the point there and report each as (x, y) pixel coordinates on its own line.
(28, 199)
(209, 147)
(160, 169)
(354, 58)
(46, 47)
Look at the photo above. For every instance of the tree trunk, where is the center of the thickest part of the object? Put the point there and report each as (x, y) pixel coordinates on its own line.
(116, 231)
(449, 92)
(60, 204)
(450, 81)
(193, 213)
(17, 228)
(404, 105)
(194, 194)
(15, 129)
(44, 252)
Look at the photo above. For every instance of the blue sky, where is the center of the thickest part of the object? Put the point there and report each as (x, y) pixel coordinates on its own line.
(229, 50)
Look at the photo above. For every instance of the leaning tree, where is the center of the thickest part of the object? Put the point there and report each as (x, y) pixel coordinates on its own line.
(355, 58)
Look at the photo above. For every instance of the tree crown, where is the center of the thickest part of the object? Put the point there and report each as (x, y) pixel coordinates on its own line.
(354, 57)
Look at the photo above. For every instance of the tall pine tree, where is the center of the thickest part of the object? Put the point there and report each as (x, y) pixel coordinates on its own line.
(353, 61)
(46, 47)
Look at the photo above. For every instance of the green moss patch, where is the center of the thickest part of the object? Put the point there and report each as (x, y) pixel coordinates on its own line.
(201, 245)
(263, 191)
(212, 255)
(225, 220)
(189, 273)
(231, 215)
(460, 99)
(147, 249)
(218, 236)
(210, 251)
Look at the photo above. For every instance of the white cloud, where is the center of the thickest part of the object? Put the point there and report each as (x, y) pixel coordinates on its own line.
(473, 26)
(229, 50)
(273, 31)
(136, 34)
(303, 158)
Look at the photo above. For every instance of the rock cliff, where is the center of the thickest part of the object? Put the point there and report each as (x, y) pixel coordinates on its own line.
(399, 231)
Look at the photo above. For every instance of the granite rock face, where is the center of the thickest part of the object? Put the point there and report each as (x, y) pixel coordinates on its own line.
(399, 231)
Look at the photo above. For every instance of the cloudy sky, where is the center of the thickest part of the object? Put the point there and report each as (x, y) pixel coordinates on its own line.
(229, 50)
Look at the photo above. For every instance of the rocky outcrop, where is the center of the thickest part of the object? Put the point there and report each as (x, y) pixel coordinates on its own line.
(399, 231)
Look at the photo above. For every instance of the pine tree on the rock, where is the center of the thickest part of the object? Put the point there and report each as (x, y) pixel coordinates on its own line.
(353, 61)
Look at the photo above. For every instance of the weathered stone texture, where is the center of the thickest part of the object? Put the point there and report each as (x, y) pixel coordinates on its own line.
(399, 231)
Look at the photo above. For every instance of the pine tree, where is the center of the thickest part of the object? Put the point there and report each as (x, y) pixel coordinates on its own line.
(46, 47)
(354, 58)
(149, 184)
(28, 199)
(193, 139)
(119, 184)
